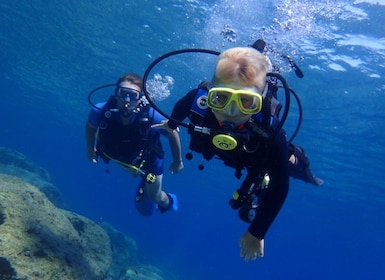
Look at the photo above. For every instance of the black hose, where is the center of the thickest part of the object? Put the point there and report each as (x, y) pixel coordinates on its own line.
(93, 91)
(155, 62)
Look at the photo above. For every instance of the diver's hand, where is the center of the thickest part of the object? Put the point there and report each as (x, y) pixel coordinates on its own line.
(176, 166)
(92, 155)
(251, 246)
(164, 125)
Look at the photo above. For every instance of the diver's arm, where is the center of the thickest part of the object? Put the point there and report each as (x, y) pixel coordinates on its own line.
(92, 125)
(176, 150)
(272, 202)
(251, 247)
(90, 142)
(252, 241)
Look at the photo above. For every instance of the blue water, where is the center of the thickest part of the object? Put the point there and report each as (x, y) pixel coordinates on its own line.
(54, 52)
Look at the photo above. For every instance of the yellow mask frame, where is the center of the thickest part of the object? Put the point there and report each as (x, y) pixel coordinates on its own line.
(248, 101)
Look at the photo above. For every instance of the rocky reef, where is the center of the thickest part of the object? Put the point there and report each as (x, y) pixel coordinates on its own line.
(40, 240)
(17, 164)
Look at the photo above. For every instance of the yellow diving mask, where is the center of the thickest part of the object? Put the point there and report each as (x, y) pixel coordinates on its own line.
(248, 101)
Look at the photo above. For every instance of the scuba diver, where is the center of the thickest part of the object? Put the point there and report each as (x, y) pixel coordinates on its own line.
(120, 130)
(235, 117)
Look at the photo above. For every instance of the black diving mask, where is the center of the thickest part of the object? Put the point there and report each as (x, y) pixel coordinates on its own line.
(129, 95)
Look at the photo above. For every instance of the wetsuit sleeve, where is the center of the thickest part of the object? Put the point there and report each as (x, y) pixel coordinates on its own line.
(278, 170)
(181, 109)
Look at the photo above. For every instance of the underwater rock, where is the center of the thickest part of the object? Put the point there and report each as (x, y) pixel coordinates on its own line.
(141, 273)
(18, 160)
(40, 241)
(17, 164)
(124, 251)
(125, 264)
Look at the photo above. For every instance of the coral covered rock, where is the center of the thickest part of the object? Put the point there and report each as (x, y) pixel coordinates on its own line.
(40, 241)
(17, 164)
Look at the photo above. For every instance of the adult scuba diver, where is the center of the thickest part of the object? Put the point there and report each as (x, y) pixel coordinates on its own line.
(120, 130)
(236, 117)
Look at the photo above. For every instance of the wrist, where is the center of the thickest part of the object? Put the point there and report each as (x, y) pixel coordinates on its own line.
(172, 124)
(255, 233)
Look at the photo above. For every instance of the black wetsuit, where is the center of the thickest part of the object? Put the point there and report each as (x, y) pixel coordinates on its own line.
(271, 158)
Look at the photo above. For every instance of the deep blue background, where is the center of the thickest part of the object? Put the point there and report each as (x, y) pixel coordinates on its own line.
(54, 53)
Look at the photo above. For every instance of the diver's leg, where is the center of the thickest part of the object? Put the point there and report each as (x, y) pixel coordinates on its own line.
(165, 201)
(143, 203)
(155, 193)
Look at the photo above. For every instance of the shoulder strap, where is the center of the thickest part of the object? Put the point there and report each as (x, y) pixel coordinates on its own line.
(271, 108)
(199, 106)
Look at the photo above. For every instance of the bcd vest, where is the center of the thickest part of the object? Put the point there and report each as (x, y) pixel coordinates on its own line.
(127, 143)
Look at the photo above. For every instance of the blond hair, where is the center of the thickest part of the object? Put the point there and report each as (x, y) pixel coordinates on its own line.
(243, 66)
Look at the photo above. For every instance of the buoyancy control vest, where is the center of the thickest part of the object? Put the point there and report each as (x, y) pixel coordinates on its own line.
(127, 143)
(252, 139)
